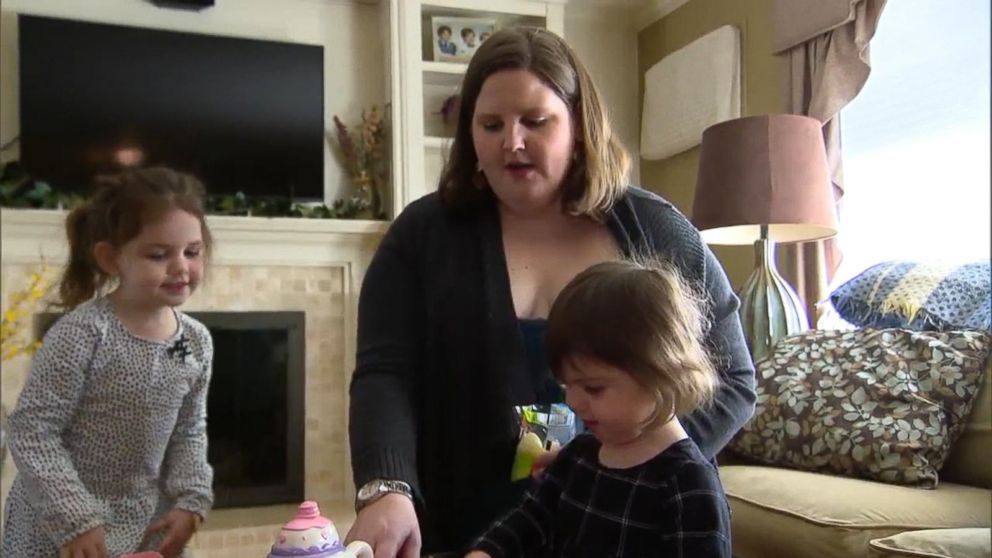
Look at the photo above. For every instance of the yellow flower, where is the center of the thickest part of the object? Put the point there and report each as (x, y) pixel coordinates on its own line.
(22, 305)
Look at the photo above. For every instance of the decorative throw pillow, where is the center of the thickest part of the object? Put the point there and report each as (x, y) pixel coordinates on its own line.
(934, 543)
(878, 404)
(924, 297)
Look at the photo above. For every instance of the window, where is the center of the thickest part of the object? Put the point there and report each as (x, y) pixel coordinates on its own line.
(916, 140)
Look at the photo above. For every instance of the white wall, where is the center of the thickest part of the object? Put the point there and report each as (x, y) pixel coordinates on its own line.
(604, 35)
(353, 35)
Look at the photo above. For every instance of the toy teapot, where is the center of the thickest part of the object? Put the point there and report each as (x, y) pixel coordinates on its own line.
(308, 535)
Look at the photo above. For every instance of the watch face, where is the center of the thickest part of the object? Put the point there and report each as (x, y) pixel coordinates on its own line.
(369, 490)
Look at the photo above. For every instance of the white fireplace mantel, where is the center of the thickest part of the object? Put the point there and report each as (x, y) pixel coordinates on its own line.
(31, 235)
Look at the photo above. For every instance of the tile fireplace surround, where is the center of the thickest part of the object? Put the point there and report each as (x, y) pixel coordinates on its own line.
(315, 266)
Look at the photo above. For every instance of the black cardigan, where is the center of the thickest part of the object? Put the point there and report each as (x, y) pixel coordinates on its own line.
(440, 356)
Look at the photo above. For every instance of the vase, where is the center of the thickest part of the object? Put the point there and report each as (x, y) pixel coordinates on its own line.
(368, 191)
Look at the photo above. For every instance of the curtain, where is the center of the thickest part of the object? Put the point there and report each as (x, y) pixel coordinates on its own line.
(826, 42)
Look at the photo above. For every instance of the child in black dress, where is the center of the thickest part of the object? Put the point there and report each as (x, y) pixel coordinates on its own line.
(625, 339)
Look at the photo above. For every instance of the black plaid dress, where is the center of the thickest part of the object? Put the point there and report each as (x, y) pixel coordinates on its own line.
(672, 505)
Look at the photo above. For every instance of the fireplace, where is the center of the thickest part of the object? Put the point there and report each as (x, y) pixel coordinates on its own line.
(255, 409)
(313, 266)
(255, 406)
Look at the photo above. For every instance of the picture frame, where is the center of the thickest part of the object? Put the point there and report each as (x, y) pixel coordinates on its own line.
(456, 39)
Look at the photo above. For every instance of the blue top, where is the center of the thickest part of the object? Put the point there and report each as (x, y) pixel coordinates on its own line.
(492, 500)
(546, 388)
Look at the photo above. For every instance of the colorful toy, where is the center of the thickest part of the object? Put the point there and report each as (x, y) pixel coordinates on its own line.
(309, 535)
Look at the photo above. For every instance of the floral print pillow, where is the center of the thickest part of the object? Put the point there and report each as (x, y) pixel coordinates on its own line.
(882, 404)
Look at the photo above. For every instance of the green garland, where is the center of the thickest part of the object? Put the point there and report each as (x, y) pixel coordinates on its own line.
(18, 189)
(280, 206)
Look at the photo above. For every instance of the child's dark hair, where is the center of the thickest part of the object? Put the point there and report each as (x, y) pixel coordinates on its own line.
(466, 31)
(115, 213)
(642, 318)
(442, 29)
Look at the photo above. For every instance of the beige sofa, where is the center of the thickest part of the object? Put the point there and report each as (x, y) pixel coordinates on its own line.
(781, 512)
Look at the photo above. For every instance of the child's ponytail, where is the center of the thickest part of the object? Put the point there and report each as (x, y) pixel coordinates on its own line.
(81, 277)
(115, 213)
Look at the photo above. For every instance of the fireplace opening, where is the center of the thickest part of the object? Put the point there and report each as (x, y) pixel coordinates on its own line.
(255, 408)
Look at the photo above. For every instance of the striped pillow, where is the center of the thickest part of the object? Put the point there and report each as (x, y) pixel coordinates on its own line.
(918, 296)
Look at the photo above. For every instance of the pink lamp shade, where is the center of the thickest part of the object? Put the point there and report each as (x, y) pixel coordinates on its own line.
(764, 170)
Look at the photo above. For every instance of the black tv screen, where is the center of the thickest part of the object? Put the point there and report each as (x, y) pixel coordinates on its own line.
(243, 115)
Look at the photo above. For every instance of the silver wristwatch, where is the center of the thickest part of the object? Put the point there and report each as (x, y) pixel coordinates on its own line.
(375, 489)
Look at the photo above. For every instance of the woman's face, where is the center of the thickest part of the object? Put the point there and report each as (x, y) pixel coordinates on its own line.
(524, 136)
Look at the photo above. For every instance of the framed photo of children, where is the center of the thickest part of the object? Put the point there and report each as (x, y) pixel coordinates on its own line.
(455, 39)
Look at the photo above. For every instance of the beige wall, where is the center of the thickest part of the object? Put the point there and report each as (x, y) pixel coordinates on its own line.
(762, 89)
(603, 35)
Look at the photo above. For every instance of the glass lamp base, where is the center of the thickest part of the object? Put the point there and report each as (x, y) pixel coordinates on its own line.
(770, 308)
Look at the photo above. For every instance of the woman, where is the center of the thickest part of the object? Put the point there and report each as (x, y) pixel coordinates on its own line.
(534, 193)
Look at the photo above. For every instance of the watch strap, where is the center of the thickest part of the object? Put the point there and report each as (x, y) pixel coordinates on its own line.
(377, 488)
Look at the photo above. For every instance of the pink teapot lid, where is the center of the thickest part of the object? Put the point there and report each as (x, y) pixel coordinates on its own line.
(308, 535)
(307, 517)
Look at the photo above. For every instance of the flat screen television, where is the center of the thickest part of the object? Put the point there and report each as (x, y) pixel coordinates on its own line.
(243, 115)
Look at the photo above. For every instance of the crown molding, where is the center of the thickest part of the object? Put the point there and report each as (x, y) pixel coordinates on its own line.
(655, 10)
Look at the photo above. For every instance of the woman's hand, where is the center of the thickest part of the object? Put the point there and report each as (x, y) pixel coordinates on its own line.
(390, 527)
(179, 526)
(542, 461)
(91, 544)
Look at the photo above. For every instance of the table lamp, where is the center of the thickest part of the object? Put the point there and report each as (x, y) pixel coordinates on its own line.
(764, 179)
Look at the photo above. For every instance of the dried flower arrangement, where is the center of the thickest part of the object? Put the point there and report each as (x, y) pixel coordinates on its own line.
(363, 154)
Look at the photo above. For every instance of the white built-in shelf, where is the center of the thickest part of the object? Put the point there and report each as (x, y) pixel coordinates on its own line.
(436, 142)
(456, 68)
(444, 74)
(486, 8)
(421, 84)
